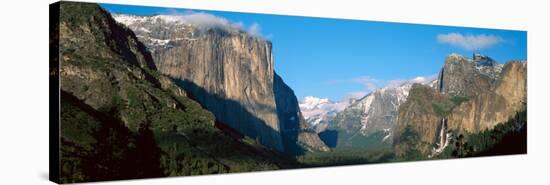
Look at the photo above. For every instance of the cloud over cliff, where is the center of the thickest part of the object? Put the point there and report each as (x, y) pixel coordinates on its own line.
(203, 20)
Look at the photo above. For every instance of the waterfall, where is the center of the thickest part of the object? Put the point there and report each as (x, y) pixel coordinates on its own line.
(444, 139)
(442, 132)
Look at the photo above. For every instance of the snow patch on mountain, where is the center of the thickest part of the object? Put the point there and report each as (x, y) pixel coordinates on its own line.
(316, 110)
(366, 103)
(378, 109)
(486, 65)
(200, 21)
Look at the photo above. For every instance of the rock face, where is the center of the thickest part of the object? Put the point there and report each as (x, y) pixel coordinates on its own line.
(467, 77)
(374, 114)
(506, 96)
(101, 61)
(417, 116)
(296, 133)
(319, 111)
(121, 119)
(227, 70)
(471, 95)
(232, 76)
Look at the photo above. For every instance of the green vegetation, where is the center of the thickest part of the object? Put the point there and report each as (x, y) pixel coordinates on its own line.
(181, 158)
(118, 121)
(509, 137)
(180, 143)
(350, 148)
(374, 140)
(347, 156)
(193, 146)
(407, 147)
(95, 146)
(457, 100)
(442, 108)
(505, 138)
(78, 127)
(358, 140)
(79, 13)
(445, 106)
(77, 142)
(420, 98)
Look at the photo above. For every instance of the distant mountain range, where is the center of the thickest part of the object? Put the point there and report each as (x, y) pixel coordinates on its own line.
(318, 111)
(376, 112)
(377, 119)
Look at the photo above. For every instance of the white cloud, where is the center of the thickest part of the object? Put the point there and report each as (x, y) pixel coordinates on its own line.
(372, 84)
(355, 95)
(396, 82)
(201, 20)
(205, 21)
(418, 79)
(255, 30)
(369, 83)
(469, 42)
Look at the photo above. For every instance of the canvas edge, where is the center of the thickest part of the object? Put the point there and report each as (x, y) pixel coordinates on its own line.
(54, 126)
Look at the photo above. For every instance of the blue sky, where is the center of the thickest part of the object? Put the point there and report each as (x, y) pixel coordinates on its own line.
(337, 58)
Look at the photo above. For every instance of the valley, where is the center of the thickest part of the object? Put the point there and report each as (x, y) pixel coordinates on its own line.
(146, 96)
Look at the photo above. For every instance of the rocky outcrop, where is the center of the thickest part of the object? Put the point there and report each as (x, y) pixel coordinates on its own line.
(228, 71)
(467, 77)
(319, 111)
(296, 133)
(120, 119)
(373, 114)
(453, 65)
(232, 76)
(506, 96)
(417, 115)
(471, 95)
(100, 63)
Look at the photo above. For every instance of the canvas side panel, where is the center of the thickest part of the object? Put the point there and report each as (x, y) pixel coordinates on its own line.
(54, 92)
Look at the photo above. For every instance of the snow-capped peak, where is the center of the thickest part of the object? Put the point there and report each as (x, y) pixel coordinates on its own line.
(127, 19)
(311, 102)
(421, 79)
(318, 110)
(199, 20)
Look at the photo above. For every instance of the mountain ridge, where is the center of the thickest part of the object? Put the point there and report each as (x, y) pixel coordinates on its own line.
(225, 71)
(122, 119)
(467, 99)
(370, 115)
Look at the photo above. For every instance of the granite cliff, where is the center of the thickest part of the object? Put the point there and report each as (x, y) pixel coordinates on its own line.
(122, 119)
(230, 72)
(471, 95)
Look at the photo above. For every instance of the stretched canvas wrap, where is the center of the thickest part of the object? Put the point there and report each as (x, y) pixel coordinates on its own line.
(145, 92)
